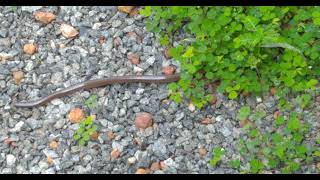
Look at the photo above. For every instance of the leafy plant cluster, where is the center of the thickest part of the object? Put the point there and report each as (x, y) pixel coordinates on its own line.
(248, 49)
(217, 155)
(85, 130)
(283, 148)
(86, 127)
(91, 102)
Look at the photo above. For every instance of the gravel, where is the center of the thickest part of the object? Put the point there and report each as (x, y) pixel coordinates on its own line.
(174, 138)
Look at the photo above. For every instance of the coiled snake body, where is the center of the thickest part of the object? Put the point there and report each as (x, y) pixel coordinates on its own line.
(99, 83)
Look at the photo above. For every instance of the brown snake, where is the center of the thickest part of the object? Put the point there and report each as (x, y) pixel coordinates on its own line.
(99, 83)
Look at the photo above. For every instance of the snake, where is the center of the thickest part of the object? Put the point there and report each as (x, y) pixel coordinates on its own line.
(96, 83)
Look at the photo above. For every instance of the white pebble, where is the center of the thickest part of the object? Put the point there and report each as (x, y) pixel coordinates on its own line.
(137, 69)
(96, 26)
(11, 160)
(191, 107)
(57, 102)
(219, 118)
(151, 60)
(139, 91)
(259, 100)
(131, 160)
(17, 127)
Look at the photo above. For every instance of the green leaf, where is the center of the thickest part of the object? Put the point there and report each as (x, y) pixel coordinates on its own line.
(91, 102)
(256, 165)
(244, 113)
(191, 69)
(164, 41)
(217, 154)
(176, 97)
(266, 151)
(76, 137)
(173, 86)
(258, 115)
(232, 67)
(301, 150)
(276, 138)
(82, 142)
(209, 75)
(235, 164)
(86, 137)
(146, 11)
(250, 22)
(254, 133)
(311, 83)
(80, 130)
(316, 153)
(272, 163)
(88, 120)
(280, 151)
(188, 53)
(233, 95)
(293, 123)
(279, 120)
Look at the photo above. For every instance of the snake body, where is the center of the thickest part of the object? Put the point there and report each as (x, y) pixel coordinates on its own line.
(95, 83)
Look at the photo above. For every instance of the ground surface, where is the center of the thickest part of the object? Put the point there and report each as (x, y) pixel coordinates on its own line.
(177, 137)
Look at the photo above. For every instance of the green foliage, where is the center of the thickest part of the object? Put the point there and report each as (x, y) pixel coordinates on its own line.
(217, 155)
(304, 100)
(85, 130)
(14, 8)
(244, 113)
(235, 164)
(258, 115)
(282, 149)
(91, 102)
(249, 49)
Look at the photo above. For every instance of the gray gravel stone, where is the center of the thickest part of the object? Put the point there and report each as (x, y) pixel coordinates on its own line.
(30, 9)
(3, 33)
(33, 124)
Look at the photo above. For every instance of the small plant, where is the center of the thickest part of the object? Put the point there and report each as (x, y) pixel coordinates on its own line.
(14, 8)
(258, 115)
(85, 130)
(282, 149)
(304, 100)
(217, 154)
(244, 113)
(235, 164)
(91, 102)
